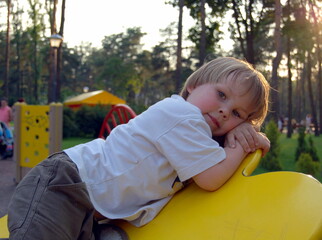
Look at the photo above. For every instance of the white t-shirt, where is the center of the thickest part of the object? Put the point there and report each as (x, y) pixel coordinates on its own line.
(136, 170)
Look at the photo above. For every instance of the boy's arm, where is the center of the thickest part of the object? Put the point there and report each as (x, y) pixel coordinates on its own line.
(245, 134)
(249, 137)
(214, 177)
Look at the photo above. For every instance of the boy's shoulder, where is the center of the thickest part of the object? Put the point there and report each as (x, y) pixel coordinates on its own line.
(175, 103)
(170, 110)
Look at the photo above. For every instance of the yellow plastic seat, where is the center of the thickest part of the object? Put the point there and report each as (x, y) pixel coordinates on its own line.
(270, 206)
(3, 227)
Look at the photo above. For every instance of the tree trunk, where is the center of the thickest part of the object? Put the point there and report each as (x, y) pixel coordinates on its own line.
(311, 97)
(60, 52)
(240, 38)
(250, 33)
(202, 49)
(276, 61)
(289, 96)
(179, 49)
(248, 24)
(52, 90)
(7, 54)
(319, 60)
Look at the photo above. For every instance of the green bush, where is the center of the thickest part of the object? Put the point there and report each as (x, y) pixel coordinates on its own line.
(70, 128)
(270, 161)
(89, 120)
(305, 164)
(301, 144)
(85, 122)
(312, 150)
(304, 147)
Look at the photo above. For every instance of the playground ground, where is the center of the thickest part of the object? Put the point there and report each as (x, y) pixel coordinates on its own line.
(7, 183)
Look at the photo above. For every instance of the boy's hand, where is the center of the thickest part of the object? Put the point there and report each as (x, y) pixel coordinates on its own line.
(246, 135)
(263, 143)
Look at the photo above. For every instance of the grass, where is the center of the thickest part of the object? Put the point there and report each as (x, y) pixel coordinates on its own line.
(287, 153)
(70, 142)
(286, 157)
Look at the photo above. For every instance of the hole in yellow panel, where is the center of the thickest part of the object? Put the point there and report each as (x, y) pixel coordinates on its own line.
(27, 160)
(27, 128)
(27, 144)
(37, 137)
(36, 153)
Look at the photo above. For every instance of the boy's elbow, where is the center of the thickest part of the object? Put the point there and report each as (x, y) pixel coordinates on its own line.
(207, 186)
(210, 188)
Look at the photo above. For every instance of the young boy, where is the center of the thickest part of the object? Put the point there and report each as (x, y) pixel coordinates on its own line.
(137, 169)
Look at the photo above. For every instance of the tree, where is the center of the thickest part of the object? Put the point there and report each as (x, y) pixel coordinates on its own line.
(270, 161)
(60, 52)
(306, 165)
(206, 34)
(252, 22)
(277, 59)
(179, 49)
(52, 10)
(289, 74)
(311, 96)
(319, 58)
(17, 42)
(35, 32)
(298, 30)
(7, 53)
(202, 47)
(178, 72)
(114, 65)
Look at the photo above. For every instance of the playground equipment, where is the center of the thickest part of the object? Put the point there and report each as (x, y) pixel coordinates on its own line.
(93, 98)
(4, 233)
(37, 134)
(276, 205)
(119, 114)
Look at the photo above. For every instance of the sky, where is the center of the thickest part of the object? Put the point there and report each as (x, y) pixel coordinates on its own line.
(89, 21)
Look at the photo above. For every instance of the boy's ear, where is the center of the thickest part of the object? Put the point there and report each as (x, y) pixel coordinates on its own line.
(190, 88)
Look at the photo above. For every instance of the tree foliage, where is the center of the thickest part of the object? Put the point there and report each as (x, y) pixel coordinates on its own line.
(140, 76)
(270, 161)
(305, 147)
(306, 165)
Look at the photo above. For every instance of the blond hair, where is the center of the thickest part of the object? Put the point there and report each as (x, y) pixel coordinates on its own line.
(241, 73)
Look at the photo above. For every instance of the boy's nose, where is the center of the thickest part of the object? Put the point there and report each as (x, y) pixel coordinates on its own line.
(224, 114)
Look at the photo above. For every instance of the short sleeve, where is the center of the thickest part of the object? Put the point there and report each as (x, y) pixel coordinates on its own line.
(189, 148)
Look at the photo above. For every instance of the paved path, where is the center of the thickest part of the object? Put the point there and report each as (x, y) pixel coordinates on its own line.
(7, 183)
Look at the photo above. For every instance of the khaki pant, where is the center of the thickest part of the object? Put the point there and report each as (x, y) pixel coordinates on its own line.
(51, 202)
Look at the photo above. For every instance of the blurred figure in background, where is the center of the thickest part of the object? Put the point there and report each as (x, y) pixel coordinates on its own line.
(5, 112)
(280, 123)
(308, 122)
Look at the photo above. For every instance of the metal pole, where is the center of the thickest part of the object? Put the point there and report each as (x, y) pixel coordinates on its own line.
(54, 91)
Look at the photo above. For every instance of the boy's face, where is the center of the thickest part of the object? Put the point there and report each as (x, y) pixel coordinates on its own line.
(222, 104)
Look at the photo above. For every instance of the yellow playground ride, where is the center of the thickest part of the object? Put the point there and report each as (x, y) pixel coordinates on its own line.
(276, 205)
(270, 206)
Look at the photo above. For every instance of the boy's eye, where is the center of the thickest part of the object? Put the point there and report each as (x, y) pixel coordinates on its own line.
(236, 114)
(221, 95)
